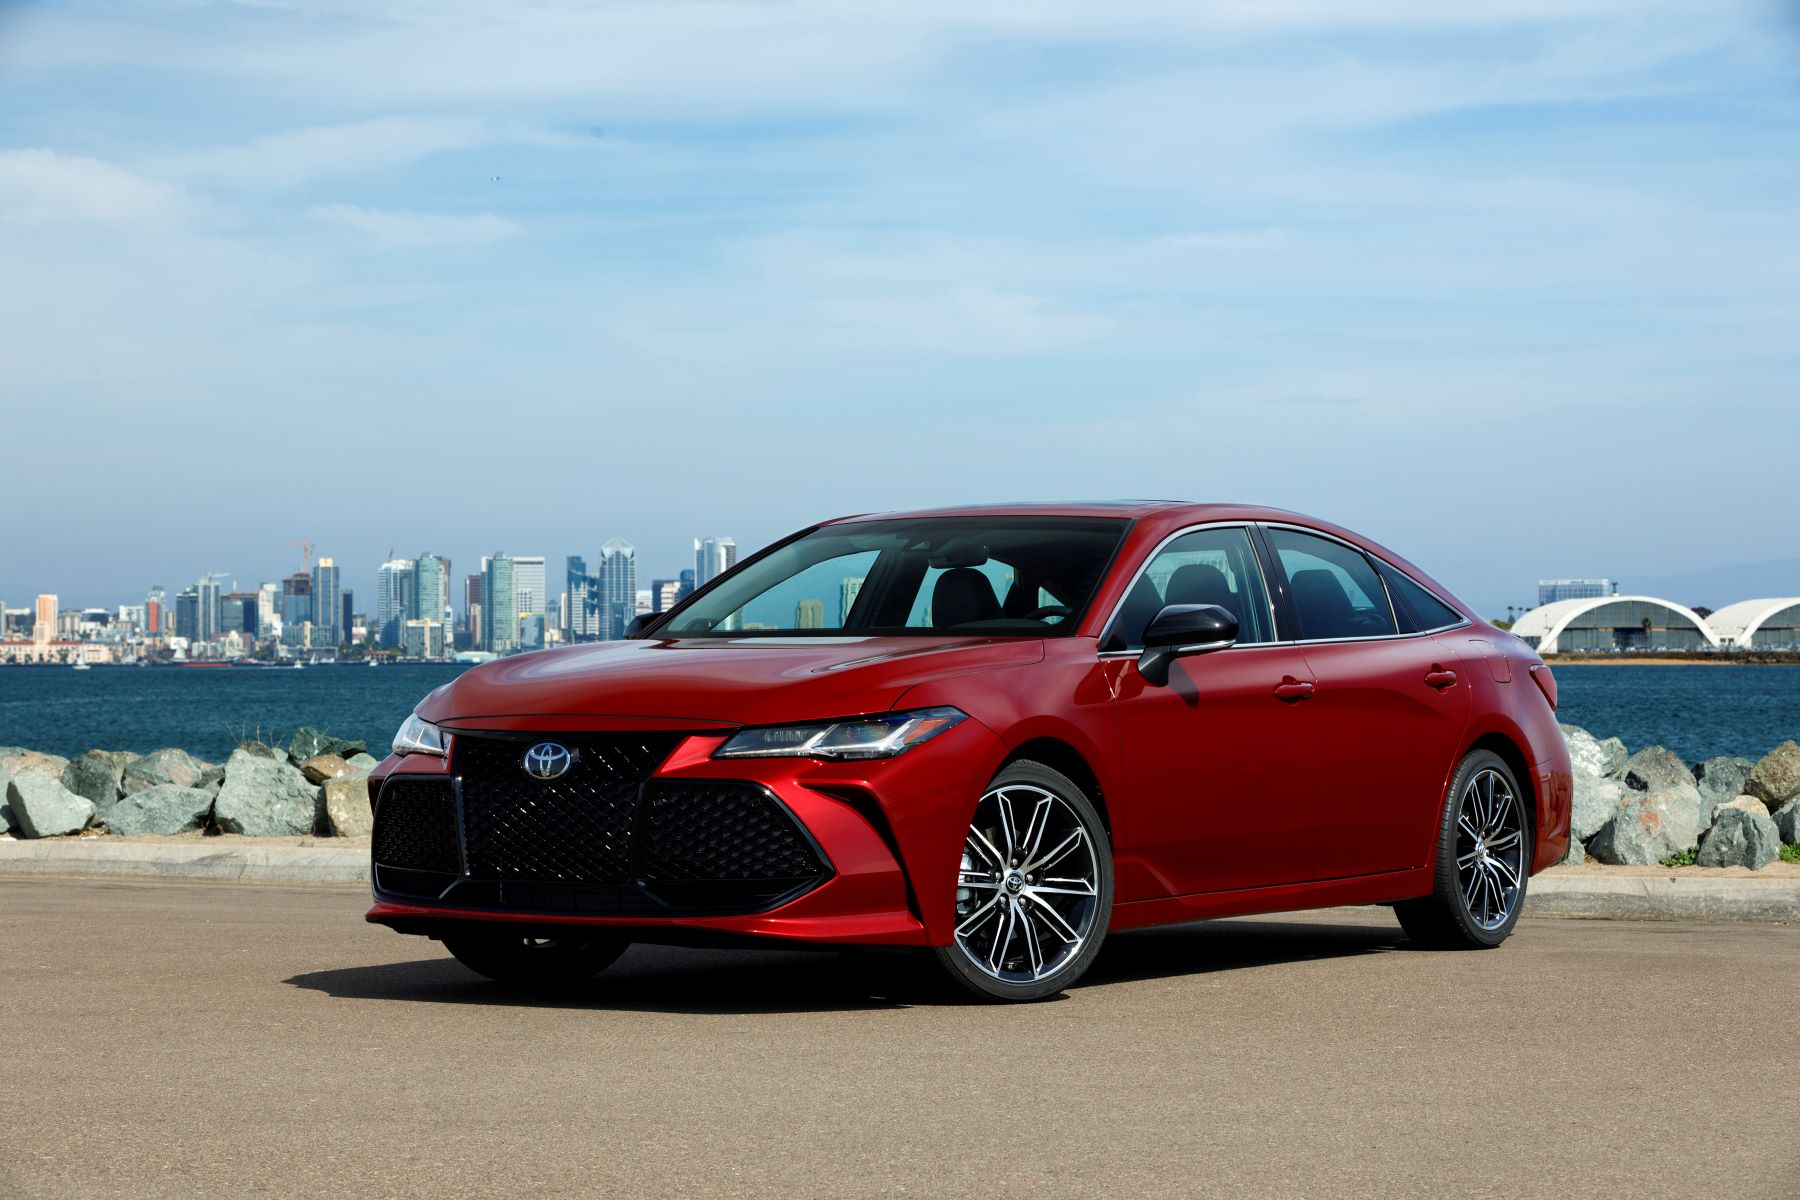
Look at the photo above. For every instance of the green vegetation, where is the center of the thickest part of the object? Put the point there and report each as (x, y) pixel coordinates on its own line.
(1790, 853)
(1684, 859)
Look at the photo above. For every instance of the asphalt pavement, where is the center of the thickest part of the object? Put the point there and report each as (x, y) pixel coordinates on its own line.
(194, 1039)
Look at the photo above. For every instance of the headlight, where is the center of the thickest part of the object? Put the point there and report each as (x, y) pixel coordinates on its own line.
(859, 737)
(421, 737)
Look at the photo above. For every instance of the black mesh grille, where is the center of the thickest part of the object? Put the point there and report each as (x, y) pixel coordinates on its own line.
(415, 826)
(576, 829)
(724, 831)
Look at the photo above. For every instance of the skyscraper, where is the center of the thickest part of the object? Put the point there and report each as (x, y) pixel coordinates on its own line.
(664, 593)
(296, 609)
(472, 585)
(153, 611)
(429, 593)
(499, 605)
(187, 614)
(809, 614)
(327, 605)
(529, 583)
(394, 583)
(268, 608)
(713, 556)
(618, 587)
(687, 585)
(210, 610)
(584, 601)
(847, 593)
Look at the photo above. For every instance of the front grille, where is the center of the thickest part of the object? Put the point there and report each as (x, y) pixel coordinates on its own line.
(415, 826)
(576, 829)
(705, 830)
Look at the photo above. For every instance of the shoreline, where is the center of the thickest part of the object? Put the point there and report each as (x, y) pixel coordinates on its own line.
(1666, 660)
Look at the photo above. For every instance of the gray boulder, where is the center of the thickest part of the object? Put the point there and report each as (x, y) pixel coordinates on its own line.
(43, 807)
(321, 767)
(363, 762)
(98, 775)
(1743, 835)
(30, 762)
(347, 806)
(163, 809)
(176, 767)
(1576, 856)
(1656, 767)
(212, 779)
(265, 797)
(1585, 753)
(1787, 822)
(1649, 827)
(308, 742)
(1721, 778)
(1596, 800)
(1775, 780)
(1616, 757)
(7, 824)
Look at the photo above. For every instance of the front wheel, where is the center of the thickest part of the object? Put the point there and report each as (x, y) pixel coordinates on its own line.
(1483, 861)
(534, 961)
(1034, 888)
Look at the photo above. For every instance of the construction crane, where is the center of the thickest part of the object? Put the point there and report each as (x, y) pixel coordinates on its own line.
(306, 549)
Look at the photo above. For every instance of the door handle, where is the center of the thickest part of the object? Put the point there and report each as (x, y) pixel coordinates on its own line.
(1440, 678)
(1293, 689)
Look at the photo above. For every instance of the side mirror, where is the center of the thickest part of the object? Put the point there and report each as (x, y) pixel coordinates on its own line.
(1180, 630)
(639, 623)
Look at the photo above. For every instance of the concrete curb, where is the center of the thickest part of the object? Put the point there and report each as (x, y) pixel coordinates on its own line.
(1624, 897)
(264, 864)
(1663, 898)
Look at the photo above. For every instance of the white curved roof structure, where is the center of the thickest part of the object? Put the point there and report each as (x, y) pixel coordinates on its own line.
(1736, 624)
(1546, 623)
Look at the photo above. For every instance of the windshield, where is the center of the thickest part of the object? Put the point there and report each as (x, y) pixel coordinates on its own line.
(980, 576)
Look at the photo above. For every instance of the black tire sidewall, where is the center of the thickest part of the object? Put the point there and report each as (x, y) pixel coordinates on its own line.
(983, 986)
(1447, 890)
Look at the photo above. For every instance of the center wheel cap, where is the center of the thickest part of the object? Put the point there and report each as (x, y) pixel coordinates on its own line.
(1015, 882)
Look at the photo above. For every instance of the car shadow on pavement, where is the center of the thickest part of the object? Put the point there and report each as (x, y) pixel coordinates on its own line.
(675, 980)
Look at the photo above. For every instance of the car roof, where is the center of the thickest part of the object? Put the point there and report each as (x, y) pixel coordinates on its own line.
(1184, 511)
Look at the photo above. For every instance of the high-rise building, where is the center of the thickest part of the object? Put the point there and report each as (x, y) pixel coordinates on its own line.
(394, 585)
(187, 614)
(428, 596)
(268, 609)
(847, 593)
(211, 611)
(237, 613)
(347, 616)
(713, 556)
(153, 611)
(664, 594)
(618, 587)
(529, 583)
(499, 605)
(809, 614)
(583, 623)
(687, 585)
(1552, 590)
(296, 609)
(472, 585)
(328, 603)
(422, 639)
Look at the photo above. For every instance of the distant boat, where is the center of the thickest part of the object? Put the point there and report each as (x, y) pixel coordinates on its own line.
(374, 662)
(82, 666)
(299, 666)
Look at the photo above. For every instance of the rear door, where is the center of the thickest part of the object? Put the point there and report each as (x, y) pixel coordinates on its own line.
(1391, 703)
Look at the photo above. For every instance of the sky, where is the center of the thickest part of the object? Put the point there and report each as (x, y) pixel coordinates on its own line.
(1512, 288)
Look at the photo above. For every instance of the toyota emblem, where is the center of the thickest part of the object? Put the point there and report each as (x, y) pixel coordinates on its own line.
(548, 760)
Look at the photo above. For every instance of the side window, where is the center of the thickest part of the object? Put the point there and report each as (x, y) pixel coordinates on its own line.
(1417, 608)
(1208, 566)
(1336, 592)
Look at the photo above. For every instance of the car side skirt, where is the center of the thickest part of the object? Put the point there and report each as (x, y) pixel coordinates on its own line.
(1320, 893)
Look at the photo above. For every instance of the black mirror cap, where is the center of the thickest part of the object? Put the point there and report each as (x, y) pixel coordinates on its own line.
(1191, 625)
(639, 623)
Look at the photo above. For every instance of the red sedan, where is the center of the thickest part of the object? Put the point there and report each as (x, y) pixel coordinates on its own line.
(993, 734)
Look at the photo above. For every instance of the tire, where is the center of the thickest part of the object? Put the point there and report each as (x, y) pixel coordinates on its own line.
(534, 962)
(1014, 923)
(1484, 853)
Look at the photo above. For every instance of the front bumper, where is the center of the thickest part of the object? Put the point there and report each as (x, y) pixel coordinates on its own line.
(870, 828)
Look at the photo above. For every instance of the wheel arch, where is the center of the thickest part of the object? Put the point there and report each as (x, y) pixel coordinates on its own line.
(1514, 756)
(1059, 755)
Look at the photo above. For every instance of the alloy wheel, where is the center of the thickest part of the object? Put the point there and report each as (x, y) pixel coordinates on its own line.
(1028, 888)
(1490, 848)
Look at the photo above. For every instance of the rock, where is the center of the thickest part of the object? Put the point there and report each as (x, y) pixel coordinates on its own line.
(1649, 827)
(1577, 854)
(30, 762)
(1585, 753)
(347, 806)
(212, 779)
(1787, 822)
(1616, 757)
(98, 775)
(1655, 768)
(265, 797)
(1775, 780)
(163, 809)
(165, 766)
(321, 767)
(1596, 800)
(1721, 779)
(43, 807)
(260, 749)
(308, 742)
(1743, 835)
(7, 824)
(363, 762)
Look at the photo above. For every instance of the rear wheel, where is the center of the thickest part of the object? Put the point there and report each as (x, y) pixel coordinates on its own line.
(534, 961)
(1034, 889)
(1483, 861)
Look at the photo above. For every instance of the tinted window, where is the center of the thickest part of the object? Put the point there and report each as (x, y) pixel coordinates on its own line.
(1417, 608)
(1208, 566)
(1336, 592)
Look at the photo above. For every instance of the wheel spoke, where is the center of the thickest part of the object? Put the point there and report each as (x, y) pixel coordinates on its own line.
(978, 842)
(1003, 940)
(1504, 872)
(973, 920)
(1007, 833)
(1463, 823)
(1471, 857)
(1034, 952)
(1034, 831)
(1060, 927)
(1074, 887)
(1056, 855)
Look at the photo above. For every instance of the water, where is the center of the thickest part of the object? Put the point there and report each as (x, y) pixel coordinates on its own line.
(1697, 711)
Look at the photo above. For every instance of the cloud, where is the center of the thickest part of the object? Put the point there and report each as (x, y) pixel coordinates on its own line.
(44, 186)
(296, 156)
(402, 227)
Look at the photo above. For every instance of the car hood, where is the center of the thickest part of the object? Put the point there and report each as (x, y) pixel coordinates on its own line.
(715, 681)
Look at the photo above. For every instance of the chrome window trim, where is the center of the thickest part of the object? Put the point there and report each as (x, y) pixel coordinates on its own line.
(1144, 567)
(1392, 611)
